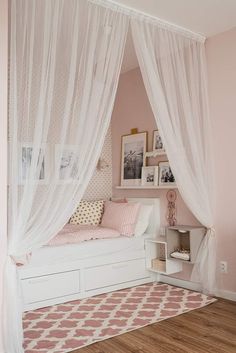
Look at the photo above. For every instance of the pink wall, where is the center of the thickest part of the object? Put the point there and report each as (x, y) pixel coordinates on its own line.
(221, 60)
(132, 109)
(3, 145)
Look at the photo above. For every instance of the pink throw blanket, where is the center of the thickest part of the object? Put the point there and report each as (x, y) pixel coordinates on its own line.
(73, 233)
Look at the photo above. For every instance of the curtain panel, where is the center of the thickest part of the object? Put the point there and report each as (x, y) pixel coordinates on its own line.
(65, 63)
(174, 73)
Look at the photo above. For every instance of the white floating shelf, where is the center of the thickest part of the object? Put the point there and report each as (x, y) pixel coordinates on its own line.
(156, 271)
(155, 154)
(161, 240)
(141, 187)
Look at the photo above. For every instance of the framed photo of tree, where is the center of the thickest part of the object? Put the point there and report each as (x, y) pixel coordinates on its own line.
(150, 176)
(133, 149)
(157, 142)
(166, 177)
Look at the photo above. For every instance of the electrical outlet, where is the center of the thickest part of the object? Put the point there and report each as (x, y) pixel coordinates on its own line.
(223, 267)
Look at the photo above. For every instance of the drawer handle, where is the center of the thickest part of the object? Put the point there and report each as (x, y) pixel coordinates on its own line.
(40, 280)
(119, 266)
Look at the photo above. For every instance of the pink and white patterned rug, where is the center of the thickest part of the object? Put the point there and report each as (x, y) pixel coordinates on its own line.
(65, 327)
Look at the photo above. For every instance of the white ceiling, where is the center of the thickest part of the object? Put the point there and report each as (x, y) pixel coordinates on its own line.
(207, 17)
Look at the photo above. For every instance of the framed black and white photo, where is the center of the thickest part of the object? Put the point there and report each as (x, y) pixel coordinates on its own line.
(150, 176)
(166, 176)
(157, 142)
(40, 174)
(66, 163)
(133, 151)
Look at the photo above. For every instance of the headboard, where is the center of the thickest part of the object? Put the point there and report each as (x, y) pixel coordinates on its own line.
(154, 226)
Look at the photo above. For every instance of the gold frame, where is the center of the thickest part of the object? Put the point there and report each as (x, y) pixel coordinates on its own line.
(133, 181)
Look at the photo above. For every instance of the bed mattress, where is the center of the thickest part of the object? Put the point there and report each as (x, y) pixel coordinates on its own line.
(49, 255)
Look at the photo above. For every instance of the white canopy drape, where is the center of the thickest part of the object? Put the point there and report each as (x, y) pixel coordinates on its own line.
(64, 67)
(174, 73)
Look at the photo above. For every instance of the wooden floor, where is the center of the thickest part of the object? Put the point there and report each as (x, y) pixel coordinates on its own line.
(211, 329)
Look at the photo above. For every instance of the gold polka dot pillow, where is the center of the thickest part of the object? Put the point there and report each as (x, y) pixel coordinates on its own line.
(88, 213)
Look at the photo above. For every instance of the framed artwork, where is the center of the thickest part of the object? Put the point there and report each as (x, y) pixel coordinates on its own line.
(25, 159)
(157, 142)
(166, 176)
(133, 149)
(66, 161)
(150, 176)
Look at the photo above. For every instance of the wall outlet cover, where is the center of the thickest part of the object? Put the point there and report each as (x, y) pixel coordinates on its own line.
(223, 267)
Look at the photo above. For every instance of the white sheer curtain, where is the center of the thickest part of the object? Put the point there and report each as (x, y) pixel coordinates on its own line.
(65, 63)
(173, 70)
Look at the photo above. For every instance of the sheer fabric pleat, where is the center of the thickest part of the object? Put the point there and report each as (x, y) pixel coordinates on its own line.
(173, 70)
(65, 63)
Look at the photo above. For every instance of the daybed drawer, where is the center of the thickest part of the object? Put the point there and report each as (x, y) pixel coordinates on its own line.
(108, 275)
(51, 286)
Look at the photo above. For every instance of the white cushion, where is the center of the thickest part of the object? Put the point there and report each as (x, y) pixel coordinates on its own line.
(143, 219)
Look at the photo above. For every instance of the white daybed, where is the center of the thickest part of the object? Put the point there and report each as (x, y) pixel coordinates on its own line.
(94, 267)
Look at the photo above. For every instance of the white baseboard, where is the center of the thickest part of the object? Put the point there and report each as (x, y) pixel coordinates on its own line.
(196, 287)
(226, 294)
(179, 282)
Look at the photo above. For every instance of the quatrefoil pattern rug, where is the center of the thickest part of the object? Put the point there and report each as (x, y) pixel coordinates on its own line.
(65, 327)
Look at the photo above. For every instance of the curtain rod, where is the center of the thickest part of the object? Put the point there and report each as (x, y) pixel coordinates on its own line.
(126, 10)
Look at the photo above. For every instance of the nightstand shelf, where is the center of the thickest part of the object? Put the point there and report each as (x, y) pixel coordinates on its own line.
(159, 250)
(156, 257)
(185, 237)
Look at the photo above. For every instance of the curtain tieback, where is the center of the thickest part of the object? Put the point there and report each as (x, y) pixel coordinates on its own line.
(20, 260)
(211, 231)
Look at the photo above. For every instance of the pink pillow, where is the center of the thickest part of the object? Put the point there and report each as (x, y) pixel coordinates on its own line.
(121, 217)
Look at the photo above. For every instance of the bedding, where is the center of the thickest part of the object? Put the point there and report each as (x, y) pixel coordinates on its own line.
(73, 233)
(121, 217)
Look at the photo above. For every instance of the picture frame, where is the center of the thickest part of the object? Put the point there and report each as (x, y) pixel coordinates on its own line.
(157, 144)
(133, 149)
(150, 176)
(25, 157)
(66, 163)
(166, 177)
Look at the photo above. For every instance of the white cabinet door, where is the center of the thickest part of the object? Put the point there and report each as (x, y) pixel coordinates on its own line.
(51, 286)
(108, 275)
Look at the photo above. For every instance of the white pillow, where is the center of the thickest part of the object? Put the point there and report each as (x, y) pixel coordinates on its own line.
(143, 219)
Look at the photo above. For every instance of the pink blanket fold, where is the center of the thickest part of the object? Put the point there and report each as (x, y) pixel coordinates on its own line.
(73, 233)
